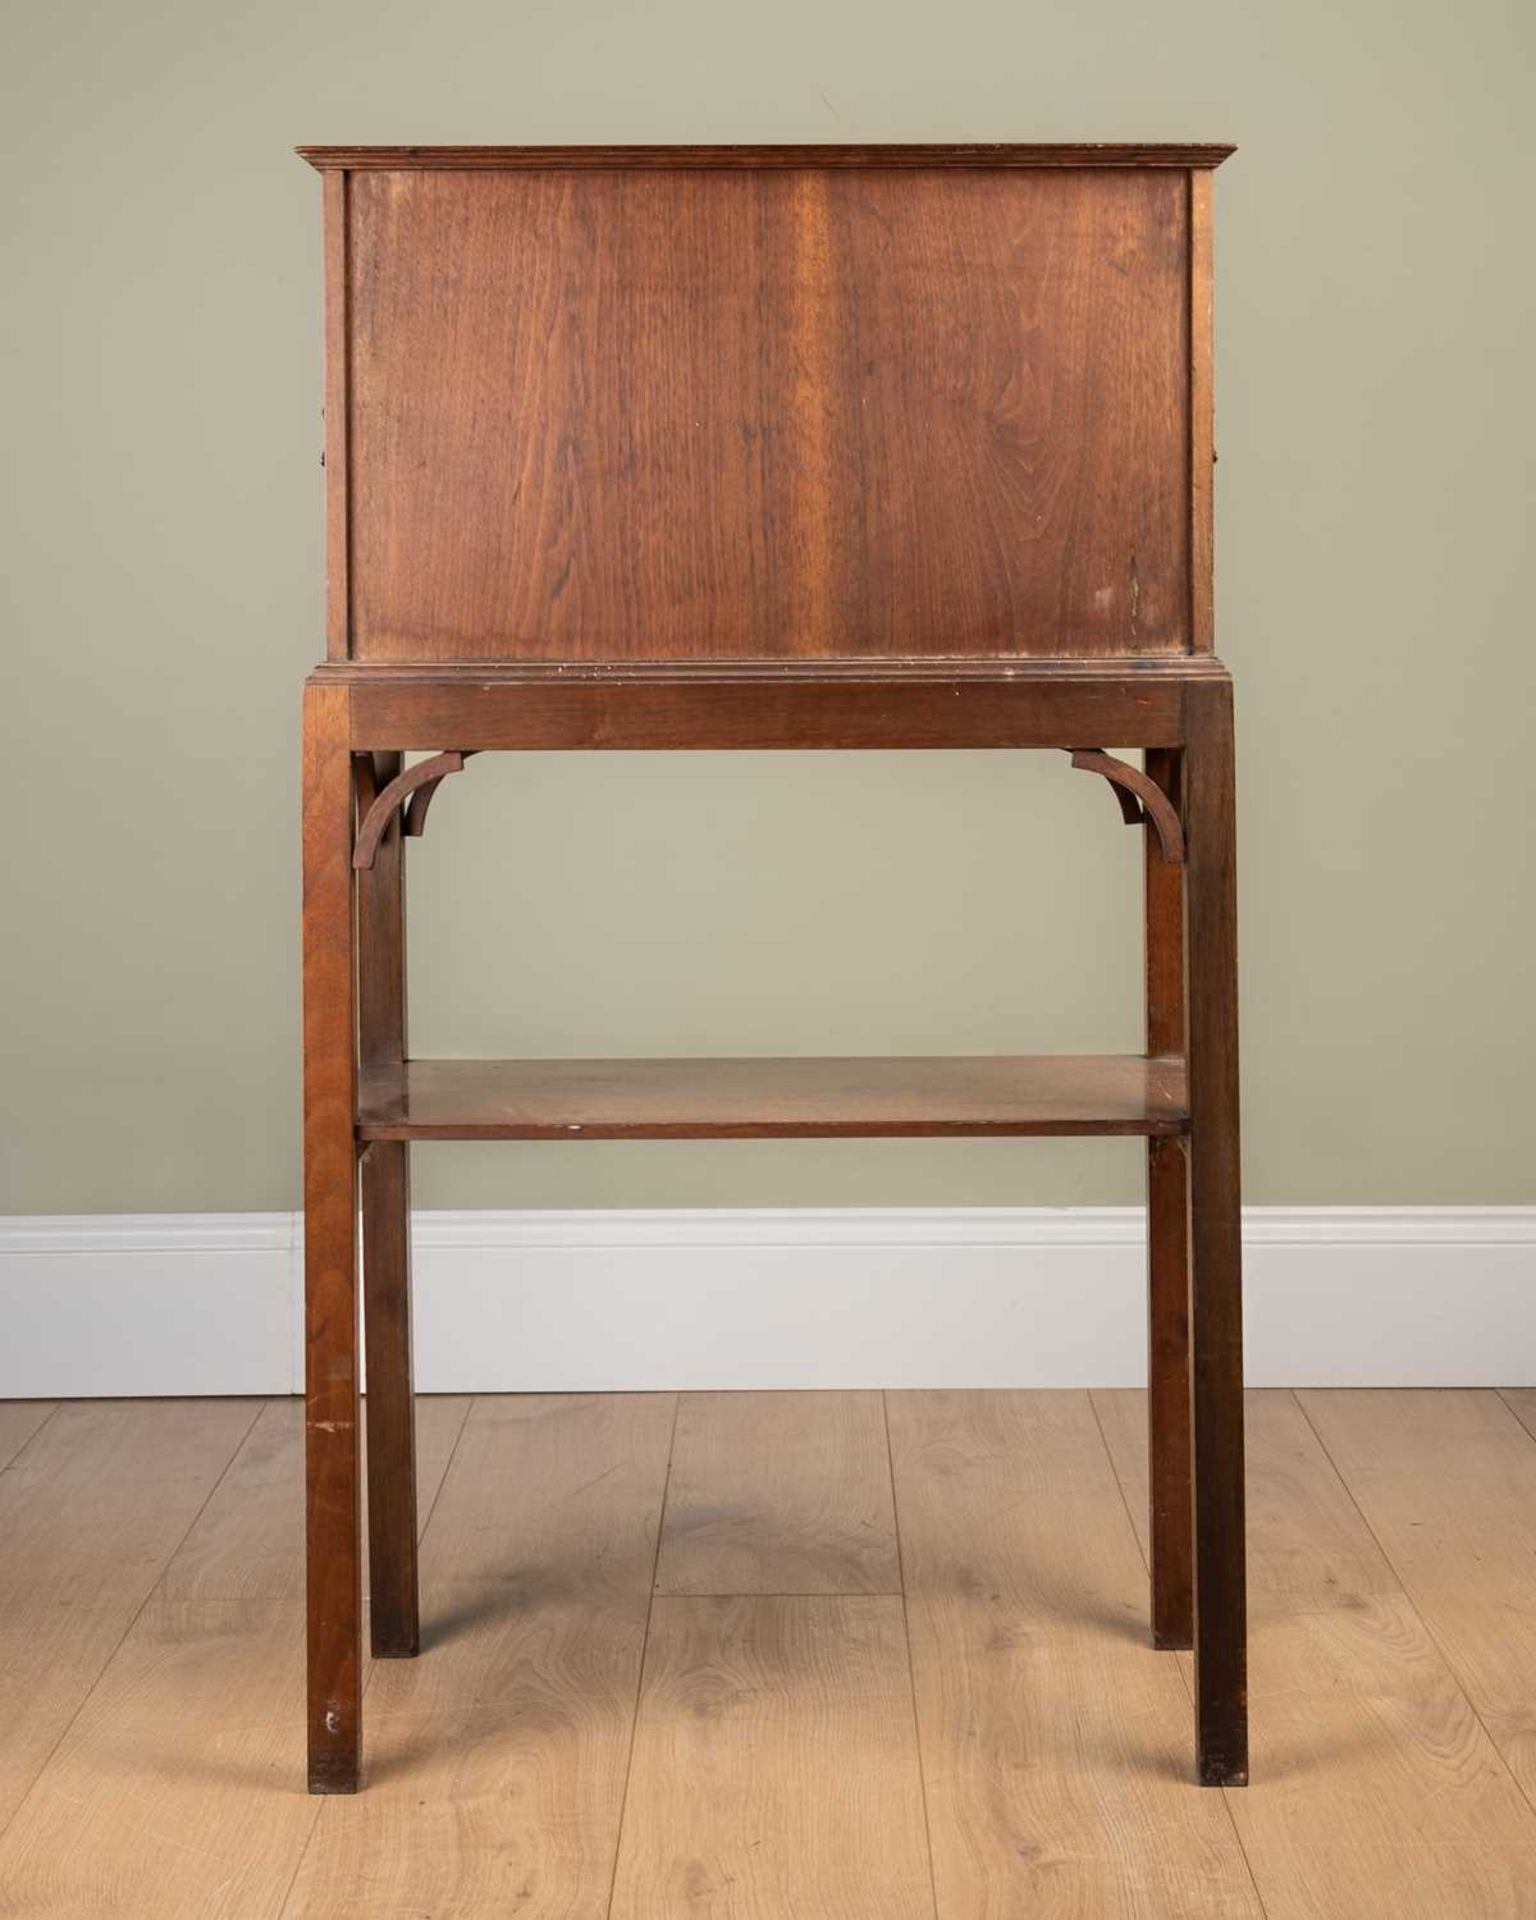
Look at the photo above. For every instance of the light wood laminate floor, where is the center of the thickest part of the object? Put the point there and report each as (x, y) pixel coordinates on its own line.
(790, 1656)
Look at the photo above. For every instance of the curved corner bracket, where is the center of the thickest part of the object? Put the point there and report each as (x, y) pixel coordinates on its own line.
(412, 789)
(1140, 797)
(415, 817)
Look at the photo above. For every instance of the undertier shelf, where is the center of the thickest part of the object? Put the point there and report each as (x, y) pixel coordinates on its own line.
(795, 1098)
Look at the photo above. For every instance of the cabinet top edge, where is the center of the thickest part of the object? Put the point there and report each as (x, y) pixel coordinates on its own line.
(809, 157)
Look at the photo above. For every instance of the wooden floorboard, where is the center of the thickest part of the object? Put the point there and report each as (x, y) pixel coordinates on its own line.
(179, 1790)
(495, 1762)
(90, 1512)
(1447, 1483)
(799, 1737)
(1375, 1789)
(20, 1420)
(779, 1493)
(249, 1543)
(775, 1767)
(1521, 1402)
(1057, 1747)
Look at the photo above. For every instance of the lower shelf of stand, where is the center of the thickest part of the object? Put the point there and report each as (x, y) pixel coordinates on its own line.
(865, 1097)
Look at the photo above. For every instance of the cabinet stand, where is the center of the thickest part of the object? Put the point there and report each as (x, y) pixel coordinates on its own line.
(713, 449)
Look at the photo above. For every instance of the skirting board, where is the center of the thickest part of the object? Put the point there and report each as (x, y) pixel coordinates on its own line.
(963, 1297)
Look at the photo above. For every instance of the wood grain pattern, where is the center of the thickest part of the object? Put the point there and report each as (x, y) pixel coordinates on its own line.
(497, 1761)
(1202, 415)
(176, 1791)
(333, 1416)
(1376, 1793)
(110, 1487)
(248, 1544)
(1056, 1756)
(1308, 1549)
(775, 1769)
(338, 413)
(1447, 1482)
(1055, 1743)
(780, 1493)
(784, 709)
(90, 1514)
(770, 413)
(926, 1094)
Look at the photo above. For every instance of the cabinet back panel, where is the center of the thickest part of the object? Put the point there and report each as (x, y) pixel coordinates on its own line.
(789, 413)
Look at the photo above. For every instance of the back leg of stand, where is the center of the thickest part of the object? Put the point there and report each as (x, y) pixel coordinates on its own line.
(1168, 1447)
(1216, 1311)
(393, 1607)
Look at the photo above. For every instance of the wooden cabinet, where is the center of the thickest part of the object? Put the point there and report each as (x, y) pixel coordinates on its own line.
(890, 447)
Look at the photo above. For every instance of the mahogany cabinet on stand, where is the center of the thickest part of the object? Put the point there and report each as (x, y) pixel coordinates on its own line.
(730, 447)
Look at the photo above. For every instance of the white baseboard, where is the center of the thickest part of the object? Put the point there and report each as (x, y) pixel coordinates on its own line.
(967, 1297)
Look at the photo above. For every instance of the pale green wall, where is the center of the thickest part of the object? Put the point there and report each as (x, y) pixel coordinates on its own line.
(162, 598)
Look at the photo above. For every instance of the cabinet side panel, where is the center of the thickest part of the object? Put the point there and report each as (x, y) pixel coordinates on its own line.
(773, 414)
(1202, 419)
(338, 612)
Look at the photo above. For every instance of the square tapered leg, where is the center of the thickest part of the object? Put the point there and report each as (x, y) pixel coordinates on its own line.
(1170, 1515)
(393, 1607)
(332, 1427)
(1168, 1447)
(1216, 1330)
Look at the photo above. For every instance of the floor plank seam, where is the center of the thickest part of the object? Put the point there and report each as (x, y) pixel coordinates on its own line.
(906, 1630)
(645, 1648)
(1503, 1393)
(137, 1615)
(1130, 1521)
(42, 1426)
(795, 1593)
(442, 1480)
(1429, 1633)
